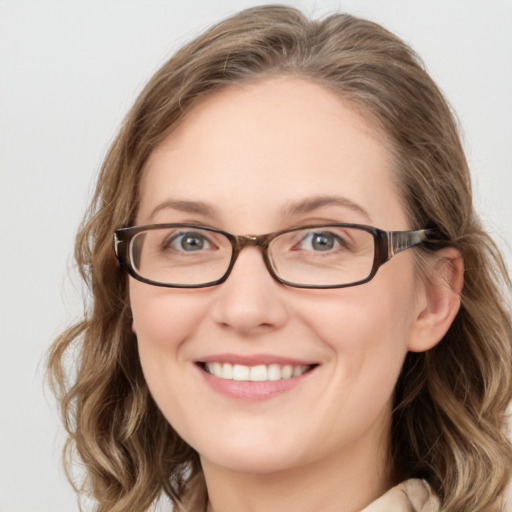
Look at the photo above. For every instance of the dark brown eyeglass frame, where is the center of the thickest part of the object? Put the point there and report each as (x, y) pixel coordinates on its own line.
(386, 243)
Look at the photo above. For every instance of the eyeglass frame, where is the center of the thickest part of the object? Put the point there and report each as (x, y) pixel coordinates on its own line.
(386, 245)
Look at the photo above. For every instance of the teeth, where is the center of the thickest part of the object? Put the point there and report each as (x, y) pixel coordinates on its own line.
(240, 372)
(226, 371)
(274, 372)
(259, 373)
(298, 370)
(217, 369)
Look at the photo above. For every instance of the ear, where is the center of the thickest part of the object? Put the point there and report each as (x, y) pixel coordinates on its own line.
(439, 299)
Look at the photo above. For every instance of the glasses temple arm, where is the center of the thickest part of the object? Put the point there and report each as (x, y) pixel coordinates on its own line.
(399, 241)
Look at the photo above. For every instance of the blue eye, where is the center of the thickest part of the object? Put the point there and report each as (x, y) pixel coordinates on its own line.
(320, 241)
(189, 242)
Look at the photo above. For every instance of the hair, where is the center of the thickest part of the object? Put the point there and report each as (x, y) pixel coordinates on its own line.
(450, 402)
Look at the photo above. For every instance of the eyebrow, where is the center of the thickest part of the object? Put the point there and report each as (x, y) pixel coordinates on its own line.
(314, 203)
(296, 208)
(197, 207)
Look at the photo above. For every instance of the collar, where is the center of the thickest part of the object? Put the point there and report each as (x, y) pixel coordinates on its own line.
(412, 495)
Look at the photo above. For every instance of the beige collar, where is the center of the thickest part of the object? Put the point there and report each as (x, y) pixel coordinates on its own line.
(410, 496)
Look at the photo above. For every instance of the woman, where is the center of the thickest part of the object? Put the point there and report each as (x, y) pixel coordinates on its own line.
(304, 312)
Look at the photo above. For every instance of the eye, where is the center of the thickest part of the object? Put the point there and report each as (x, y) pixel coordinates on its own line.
(189, 241)
(320, 241)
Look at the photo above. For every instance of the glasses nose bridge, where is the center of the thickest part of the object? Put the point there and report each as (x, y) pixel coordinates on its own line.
(258, 241)
(242, 241)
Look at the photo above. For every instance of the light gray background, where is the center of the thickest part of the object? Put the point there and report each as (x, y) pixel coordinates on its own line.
(70, 69)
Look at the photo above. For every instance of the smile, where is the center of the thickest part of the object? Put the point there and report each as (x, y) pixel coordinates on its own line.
(253, 378)
(258, 373)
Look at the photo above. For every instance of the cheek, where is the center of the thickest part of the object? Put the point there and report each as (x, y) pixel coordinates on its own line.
(365, 316)
(163, 318)
(163, 321)
(368, 328)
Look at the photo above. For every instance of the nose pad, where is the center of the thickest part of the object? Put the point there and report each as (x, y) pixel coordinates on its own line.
(250, 301)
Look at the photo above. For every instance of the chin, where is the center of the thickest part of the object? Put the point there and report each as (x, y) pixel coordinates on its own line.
(251, 461)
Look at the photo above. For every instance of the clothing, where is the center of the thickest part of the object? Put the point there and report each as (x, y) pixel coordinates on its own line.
(413, 495)
(410, 496)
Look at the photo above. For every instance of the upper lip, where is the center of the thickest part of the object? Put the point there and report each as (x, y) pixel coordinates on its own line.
(253, 359)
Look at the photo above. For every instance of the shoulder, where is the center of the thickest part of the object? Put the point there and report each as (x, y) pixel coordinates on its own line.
(413, 495)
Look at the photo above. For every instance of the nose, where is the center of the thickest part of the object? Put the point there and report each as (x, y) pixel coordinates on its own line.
(250, 302)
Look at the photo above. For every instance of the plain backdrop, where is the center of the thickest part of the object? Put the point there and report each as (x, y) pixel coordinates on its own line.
(70, 69)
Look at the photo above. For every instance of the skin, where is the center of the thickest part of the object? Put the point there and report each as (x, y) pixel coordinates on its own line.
(251, 153)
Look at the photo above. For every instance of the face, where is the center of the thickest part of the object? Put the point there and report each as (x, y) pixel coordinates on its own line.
(252, 160)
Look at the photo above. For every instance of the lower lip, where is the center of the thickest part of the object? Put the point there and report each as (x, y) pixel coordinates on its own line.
(253, 391)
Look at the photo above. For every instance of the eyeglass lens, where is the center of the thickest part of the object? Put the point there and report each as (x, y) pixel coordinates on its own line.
(309, 256)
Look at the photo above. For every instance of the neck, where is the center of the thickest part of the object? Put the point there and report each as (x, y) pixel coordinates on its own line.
(345, 482)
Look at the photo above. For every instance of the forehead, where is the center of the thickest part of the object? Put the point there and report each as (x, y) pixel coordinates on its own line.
(270, 144)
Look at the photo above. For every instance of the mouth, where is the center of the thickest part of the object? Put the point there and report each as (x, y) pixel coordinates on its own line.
(256, 373)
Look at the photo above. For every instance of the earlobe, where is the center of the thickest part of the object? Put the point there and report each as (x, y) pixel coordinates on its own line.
(440, 302)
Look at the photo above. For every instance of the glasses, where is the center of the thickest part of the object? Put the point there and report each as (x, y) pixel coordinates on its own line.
(318, 256)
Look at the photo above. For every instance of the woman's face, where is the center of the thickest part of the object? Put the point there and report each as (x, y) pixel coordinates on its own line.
(251, 160)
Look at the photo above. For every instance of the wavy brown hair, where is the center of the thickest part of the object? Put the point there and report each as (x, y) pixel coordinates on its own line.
(450, 402)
